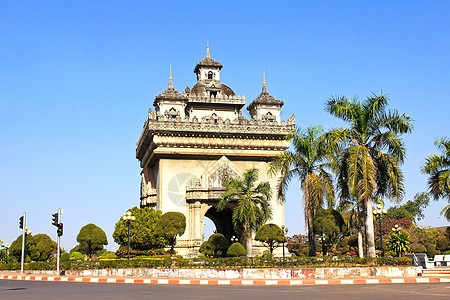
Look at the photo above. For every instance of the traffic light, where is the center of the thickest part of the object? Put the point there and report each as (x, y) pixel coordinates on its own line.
(55, 219)
(59, 231)
(21, 222)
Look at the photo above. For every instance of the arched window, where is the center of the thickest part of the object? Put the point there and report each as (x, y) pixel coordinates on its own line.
(210, 75)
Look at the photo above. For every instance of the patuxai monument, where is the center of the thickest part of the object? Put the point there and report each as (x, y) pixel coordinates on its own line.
(191, 143)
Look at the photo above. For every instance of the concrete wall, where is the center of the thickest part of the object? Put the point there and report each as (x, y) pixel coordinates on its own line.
(257, 273)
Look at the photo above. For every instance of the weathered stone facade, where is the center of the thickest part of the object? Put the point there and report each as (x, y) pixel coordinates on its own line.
(194, 141)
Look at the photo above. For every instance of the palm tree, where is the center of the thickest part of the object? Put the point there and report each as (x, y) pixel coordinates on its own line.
(438, 167)
(307, 162)
(252, 208)
(372, 152)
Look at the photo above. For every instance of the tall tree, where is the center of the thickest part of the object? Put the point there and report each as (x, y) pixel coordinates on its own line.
(271, 236)
(91, 238)
(252, 204)
(330, 226)
(170, 225)
(438, 167)
(308, 162)
(372, 152)
(142, 230)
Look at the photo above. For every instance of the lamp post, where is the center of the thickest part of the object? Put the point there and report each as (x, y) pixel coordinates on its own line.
(234, 239)
(284, 230)
(128, 217)
(378, 213)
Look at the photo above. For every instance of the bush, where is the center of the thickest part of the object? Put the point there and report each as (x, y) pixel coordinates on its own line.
(77, 256)
(236, 250)
(305, 251)
(418, 248)
(232, 262)
(122, 253)
(65, 257)
(108, 255)
(218, 244)
(205, 249)
(431, 250)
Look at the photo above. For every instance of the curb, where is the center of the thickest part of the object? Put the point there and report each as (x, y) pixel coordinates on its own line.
(228, 282)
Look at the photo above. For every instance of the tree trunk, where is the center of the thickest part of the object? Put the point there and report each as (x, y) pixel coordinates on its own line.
(360, 243)
(248, 240)
(311, 237)
(360, 235)
(370, 237)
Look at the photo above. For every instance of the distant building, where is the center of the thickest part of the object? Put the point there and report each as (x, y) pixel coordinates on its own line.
(193, 142)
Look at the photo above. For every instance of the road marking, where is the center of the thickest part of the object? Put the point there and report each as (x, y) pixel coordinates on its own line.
(185, 281)
(372, 281)
(397, 280)
(346, 281)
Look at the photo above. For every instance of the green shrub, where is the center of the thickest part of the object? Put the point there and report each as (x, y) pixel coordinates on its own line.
(122, 253)
(431, 250)
(218, 244)
(305, 251)
(76, 256)
(236, 250)
(65, 257)
(108, 255)
(418, 248)
(206, 249)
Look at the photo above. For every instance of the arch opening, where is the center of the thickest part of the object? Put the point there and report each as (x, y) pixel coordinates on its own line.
(221, 223)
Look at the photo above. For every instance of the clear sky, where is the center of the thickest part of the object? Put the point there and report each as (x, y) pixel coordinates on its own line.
(77, 79)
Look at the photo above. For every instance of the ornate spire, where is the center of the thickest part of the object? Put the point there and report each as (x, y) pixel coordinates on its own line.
(264, 89)
(170, 78)
(207, 49)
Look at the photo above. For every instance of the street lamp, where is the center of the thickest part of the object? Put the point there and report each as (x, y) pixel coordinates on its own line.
(234, 239)
(128, 217)
(284, 230)
(378, 213)
(396, 228)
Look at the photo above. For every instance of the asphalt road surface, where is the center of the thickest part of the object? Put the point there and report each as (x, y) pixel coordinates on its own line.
(18, 289)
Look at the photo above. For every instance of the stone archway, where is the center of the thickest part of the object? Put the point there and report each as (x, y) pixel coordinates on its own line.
(222, 221)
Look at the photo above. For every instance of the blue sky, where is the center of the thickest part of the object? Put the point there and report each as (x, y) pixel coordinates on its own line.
(77, 79)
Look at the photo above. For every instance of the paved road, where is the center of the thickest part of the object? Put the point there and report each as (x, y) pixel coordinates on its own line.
(17, 289)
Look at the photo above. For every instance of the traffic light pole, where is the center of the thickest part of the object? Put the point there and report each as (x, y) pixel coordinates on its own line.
(59, 243)
(23, 242)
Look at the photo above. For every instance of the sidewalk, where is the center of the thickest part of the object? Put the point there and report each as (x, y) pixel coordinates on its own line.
(94, 279)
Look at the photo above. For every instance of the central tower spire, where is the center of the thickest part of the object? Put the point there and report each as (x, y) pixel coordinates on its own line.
(170, 77)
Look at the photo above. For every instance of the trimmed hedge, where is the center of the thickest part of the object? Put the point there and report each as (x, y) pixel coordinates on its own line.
(240, 262)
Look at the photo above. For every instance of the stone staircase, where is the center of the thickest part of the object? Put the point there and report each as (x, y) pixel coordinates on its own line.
(438, 271)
